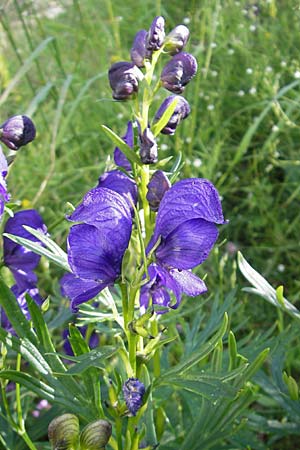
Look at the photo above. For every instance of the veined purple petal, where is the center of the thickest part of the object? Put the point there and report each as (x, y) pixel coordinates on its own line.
(181, 112)
(188, 245)
(119, 157)
(158, 288)
(94, 255)
(119, 182)
(192, 198)
(156, 34)
(104, 209)
(79, 290)
(178, 72)
(189, 283)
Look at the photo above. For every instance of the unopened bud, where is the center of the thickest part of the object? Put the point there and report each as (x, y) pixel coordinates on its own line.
(156, 34)
(181, 111)
(95, 435)
(148, 147)
(133, 391)
(138, 50)
(157, 187)
(123, 78)
(17, 131)
(178, 72)
(176, 40)
(63, 432)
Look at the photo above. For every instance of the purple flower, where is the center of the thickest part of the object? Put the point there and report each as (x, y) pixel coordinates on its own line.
(4, 195)
(186, 225)
(123, 78)
(176, 40)
(119, 157)
(17, 131)
(148, 147)
(178, 72)
(119, 182)
(96, 247)
(158, 185)
(182, 110)
(156, 34)
(138, 51)
(133, 391)
(17, 258)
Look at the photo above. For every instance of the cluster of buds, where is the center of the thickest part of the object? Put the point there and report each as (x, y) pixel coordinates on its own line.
(125, 79)
(64, 434)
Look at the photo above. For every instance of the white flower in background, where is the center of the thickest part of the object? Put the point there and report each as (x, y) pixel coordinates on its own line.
(241, 93)
(268, 69)
(230, 51)
(252, 90)
(186, 20)
(297, 74)
(197, 163)
(210, 107)
(249, 71)
(252, 28)
(213, 45)
(214, 73)
(275, 128)
(283, 64)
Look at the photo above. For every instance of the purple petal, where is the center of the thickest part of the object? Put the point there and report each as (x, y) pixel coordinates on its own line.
(181, 112)
(192, 198)
(178, 72)
(177, 39)
(188, 245)
(93, 255)
(123, 78)
(104, 209)
(79, 290)
(189, 283)
(119, 182)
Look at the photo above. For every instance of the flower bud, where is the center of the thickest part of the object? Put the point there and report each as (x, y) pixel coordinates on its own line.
(157, 187)
(156, 34)
(133, 391)
(95, 435)
(177, 39)
(138, 51)
(182, 110)
(123, 79)
(63, 432)
(148, 147)
(178, 72)
(17, 131)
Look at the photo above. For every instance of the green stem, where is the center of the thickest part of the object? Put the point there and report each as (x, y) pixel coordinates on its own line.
(156, 356)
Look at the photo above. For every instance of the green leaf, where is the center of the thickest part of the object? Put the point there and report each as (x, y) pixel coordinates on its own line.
(128, 152)
(95, 358)
(59, 259)
(264, 289)
(30, 382)
(14, 313)
(162, 122)
(39, 98)
(199, 354)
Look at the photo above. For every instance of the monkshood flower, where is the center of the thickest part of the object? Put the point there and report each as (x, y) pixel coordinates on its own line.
(97, 245)
(119, 157)
(156, 34)
(17, 131)
(17, 258)
(148, 147)
(178, 72)
(186, 226)
(124, 79)
(133, 391)
(182, 110)
(157, 186)
(176, 40)
(138, 51)
(4, 195)
(119, 182)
